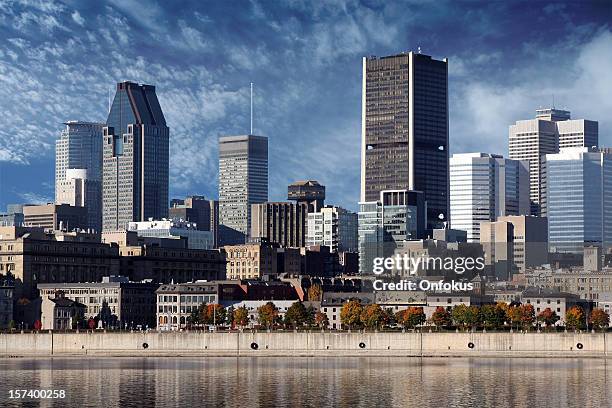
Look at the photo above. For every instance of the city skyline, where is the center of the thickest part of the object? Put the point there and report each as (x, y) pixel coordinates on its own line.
(314, 103)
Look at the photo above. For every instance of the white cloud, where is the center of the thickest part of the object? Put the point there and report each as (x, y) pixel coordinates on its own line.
(34, 198)
(77, 18)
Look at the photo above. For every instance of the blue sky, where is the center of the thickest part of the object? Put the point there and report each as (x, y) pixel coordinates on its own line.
(58, 61)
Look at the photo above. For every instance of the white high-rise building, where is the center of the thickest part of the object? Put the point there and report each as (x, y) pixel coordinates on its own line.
(534, 138)
(333, 227)
(243, 181)
(78, 156)
(486, 186)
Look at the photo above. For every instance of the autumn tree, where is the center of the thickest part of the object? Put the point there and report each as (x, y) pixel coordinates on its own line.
(466, 316)
(548, 317)
(411, 317)
(599, 319)
(527, 313)
(441, 317)
(574, 318)
(514, 315)
(492, 316)
(296, 315)
(373, 316)
(321, 320)
(212, 313)
(241, 316)
(267, 315)
(350, 314)
(315, 293)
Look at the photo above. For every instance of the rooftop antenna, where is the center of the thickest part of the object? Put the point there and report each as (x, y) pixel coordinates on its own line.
(109, 100)
(251, 108)
(553, 101)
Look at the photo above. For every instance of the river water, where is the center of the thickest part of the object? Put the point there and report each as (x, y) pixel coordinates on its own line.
(311, 382)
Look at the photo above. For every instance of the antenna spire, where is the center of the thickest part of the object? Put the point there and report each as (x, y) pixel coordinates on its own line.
(109, 100)
(251, 108)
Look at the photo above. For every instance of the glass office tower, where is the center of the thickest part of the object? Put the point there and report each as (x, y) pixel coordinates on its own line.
(405, 130)
(135, 158)
(578, 198)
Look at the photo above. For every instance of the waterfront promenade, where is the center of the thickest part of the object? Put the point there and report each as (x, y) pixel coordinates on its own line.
(304, 344)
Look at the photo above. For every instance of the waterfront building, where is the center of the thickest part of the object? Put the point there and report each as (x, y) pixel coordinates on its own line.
(578, 204)
(404, 130)
(533, 139)
(135, 158)
(33, 257)
(60, 313)
(243, 181)
(484, 187)
(333, 227)
(116, 301)
(558, 302)
(196, 239)
(55, 216)
(78, 169)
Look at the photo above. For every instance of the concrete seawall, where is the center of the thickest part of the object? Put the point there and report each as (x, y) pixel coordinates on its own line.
(307, 344)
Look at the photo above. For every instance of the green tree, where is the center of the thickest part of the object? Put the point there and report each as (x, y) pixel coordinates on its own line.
(390, 317)
(466, 316)
(411, 317)
(310, 315)
(241, 316)
(350, 314)
(492, 316)
(599, 319)
(229, 316)
(194, 318)
(77, 320)
(11, 325)
(574, 318)
(373, 316)
(267, 315)
(296, 315)
(321, 320)
(548, 317)
(441, 317)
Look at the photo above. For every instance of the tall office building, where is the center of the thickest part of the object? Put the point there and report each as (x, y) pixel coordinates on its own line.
(398, 215)
(486, 186)
(404, 130)
(80, 147)
(135, 154)
(550, 130)
(243, 181)
(579, 198)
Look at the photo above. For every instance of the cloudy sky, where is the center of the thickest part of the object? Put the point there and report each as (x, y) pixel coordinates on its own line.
(59, 60)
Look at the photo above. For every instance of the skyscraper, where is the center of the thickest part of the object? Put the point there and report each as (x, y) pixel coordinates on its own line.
(404, 130)
(309, 192)
(486, 186)
(243, 181)
(579, 198)
(80, 147)
(135, 153)
(533, 139)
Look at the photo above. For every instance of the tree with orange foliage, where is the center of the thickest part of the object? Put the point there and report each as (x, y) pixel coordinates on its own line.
(599, 319)
(441, 317)
(411, 317)
(350, 314)
(548, 317)
(321, 320)
(574, 318)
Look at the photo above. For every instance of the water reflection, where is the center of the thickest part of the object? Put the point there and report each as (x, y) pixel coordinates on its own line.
(354, 382)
